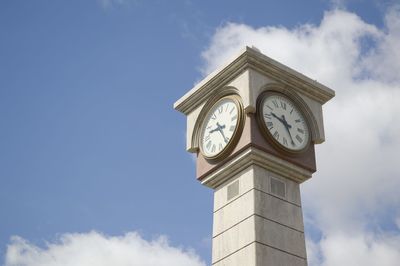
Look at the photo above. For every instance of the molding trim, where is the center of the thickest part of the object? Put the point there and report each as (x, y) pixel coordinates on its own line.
(248, 157)
(251, 58)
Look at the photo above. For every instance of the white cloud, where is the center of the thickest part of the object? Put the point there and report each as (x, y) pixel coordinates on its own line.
(342, 249)
(358, 177)
(313, 252)
(97, 249)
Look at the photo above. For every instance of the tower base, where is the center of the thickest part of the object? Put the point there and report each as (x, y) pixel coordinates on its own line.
(258, 221)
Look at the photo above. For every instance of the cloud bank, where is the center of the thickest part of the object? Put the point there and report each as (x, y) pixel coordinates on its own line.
(352, 203)
(97, 249)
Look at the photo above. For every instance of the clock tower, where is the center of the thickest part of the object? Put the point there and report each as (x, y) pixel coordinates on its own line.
(253, 124)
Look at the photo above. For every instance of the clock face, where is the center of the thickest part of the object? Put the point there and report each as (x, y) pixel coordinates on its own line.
(219, 127)
(284, 122)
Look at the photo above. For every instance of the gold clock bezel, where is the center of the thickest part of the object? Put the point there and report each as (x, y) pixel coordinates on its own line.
(267, 134)
(236, 134)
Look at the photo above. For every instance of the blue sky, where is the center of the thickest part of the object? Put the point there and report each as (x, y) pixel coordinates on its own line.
(89, 140)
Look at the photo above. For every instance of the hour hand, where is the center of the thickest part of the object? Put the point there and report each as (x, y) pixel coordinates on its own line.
(219, 126)
(287, 125)
(277, 117)
(274, 115)
(213, 130)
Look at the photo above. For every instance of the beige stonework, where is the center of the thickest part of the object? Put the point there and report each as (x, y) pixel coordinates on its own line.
(257, 217)
(249, 73)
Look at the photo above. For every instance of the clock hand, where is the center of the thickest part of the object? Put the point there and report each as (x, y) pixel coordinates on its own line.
(213, 130)
(219, 128)
(287, 126)
(223, 135)
(280, 119)
(285, 122)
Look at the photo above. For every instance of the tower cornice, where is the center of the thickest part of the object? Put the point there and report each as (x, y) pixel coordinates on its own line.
(250, 58)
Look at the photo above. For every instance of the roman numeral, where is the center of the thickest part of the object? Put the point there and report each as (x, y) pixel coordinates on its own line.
(207, 138)
(276, 135)
(267, 116)
(270, 125)
(300, 130)
(299, 138)
(220, 109)
(275, 103)
(285, 141)
(220, 147)
(232, 128)
(213, 148)
(297, 120)
(269, 107)
(291, 111)
(234, 118)
(283, 105)
(233, 109)
(208, 145)
(214, 116)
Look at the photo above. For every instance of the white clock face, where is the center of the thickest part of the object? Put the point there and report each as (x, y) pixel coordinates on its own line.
(285, 123)
(219, 126)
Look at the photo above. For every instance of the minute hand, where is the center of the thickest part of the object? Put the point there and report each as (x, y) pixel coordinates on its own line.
(220, 129)
(287, 126)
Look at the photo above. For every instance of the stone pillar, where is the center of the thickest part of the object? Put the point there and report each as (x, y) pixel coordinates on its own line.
(258, 221)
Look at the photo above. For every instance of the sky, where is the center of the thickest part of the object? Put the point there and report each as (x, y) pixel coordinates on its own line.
(93, 167)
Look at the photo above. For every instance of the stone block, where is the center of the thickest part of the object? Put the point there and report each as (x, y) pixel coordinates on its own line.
(243, 257)
(278, 210)
(262, 179)
(246, 184)
(234, 212)
(266, 256)
(233, 239)
(280, 237)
